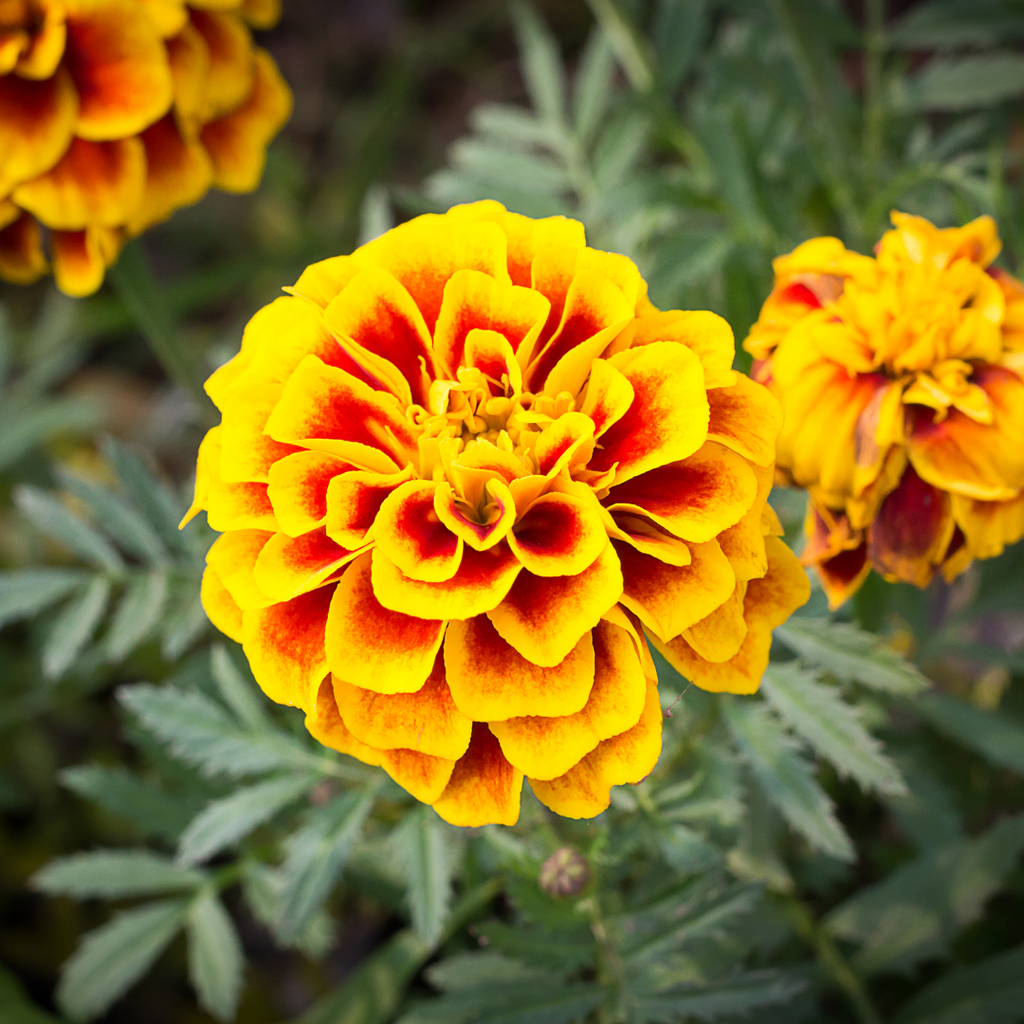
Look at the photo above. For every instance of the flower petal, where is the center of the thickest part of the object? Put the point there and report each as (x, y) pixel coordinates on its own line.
(37, 121)
(81, 258)
(289, 566)
(747, 418)
(231, 71)
(239, 507)
(325, 408)
(669, 598)
(491, 681)
(93, 184)
(353, 501)
(21, 251)
(668, 418)
(560, 535)
(118, 62)
(374, 647)
(426, 720)
(285, 646)
(585, 790)
(298, 488)
(608, 396)
(718, 636)
(237, 143)
(484, 788)
(481, 583)
(423, 776)
(544, 748)
(220, 606)
(408, 531)
(743, 543)
(696, 499)
(989, 526)
(378, 314)
(476, 300)
(233, 556)
(543, 617)
(425, 252)
(979, 461)
(325, 725)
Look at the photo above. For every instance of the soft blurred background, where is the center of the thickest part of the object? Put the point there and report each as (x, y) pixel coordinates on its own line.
(702, 138)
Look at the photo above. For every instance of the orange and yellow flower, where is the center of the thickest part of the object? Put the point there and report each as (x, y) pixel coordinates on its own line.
(462, 476)
(114, 113)
(900, 377)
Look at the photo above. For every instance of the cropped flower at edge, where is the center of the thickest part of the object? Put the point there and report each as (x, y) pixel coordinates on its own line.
(900, 378)
(115, 113)
(462, 476)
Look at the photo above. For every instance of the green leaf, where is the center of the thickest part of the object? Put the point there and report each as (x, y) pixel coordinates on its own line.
(511, 1003)
(22, 430)
(786, 778)
(239, 691)
(593, 89)
(27, 591)
(113, 957)
(631, 49)
(50, 517)
(989, 992)
(733, 996)
(852, 654)
(542, 64)
(119, 520)
(427, 863)
(316, 854)
(513, 127)
(914, 912)
(137, 613)
(215, 959)
(989, 733)
(958, 83)
(223, 822)
(127, 796)
(474, 970)
(74, 627)
(818, 713)
(202, 733)
(115, 874)
(678, 33)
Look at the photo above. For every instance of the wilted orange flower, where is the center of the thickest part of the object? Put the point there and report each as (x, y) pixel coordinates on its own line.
(900, 380)
(114, 113)
(460, 473)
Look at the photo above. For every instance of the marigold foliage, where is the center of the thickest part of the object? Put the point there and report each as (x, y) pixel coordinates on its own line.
(900, 382)
(115, 113)
(460, 474)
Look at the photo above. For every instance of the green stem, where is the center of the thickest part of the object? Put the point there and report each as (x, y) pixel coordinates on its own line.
(143, 299)
(841, 973)
(874, 108)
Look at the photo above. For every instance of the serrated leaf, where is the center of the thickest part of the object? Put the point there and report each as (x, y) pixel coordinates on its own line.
(786, 777)
(119, 520)
(989, 733)
(631, 49)
(593, 89)
(988, 992)
(224, 822)
(49, 517)
(115, 874)
(818, 713)
(850, 653)
(427, 862)
(239, 693)
(127, 796)
(215, 959)
(542, 64)
(24, 429)
(958, 83)
(263, 887)
(508, 124)
(316, 854)
(473, 970)
(183, 624)
(734, 996)
(27, 591)
(74, 627)
(202, 733)
(136, 614)
(113, 957)
(914, 913)
(511, 1003)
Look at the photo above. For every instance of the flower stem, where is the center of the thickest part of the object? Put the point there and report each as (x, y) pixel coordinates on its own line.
(835, 965)
(142, 298)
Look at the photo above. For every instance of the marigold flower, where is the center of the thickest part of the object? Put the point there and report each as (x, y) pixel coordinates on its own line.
(460, 474)
(900, 380)
(114, 113)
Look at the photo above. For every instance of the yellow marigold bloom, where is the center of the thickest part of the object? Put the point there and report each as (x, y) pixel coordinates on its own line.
(460, 474)
(900, 381)
(114, 113)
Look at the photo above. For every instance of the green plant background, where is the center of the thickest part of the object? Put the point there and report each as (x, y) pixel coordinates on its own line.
(845, 846)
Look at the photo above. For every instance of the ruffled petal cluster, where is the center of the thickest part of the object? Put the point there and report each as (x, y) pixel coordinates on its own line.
(900, 377)
(115, 113)
(464, 476)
